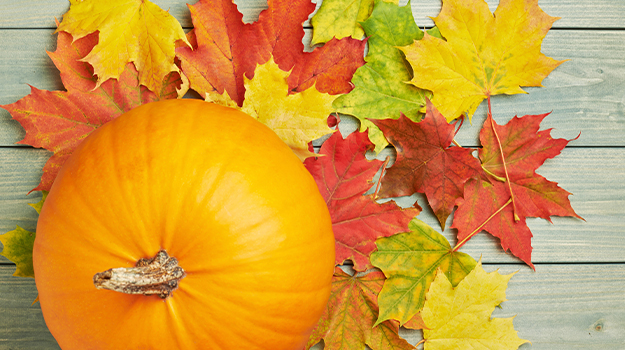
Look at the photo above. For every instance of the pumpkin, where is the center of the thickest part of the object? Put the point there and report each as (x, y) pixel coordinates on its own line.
(183, 225)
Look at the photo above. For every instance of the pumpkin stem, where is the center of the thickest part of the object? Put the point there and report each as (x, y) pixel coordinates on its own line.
(157, 276)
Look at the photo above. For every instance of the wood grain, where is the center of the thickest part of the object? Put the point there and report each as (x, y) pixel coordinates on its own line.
(21, 324)
(574, 14)
(566, 307)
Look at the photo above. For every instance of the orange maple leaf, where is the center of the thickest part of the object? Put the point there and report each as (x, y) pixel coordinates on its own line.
(59, 120)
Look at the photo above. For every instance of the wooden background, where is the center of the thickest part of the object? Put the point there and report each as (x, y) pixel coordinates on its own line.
(576, 297)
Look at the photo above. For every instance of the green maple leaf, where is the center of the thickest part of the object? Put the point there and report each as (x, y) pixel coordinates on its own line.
(18, 246)
(380, 90)
(409, 261)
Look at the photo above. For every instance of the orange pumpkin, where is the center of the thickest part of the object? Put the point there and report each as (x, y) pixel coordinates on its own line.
(205, 215)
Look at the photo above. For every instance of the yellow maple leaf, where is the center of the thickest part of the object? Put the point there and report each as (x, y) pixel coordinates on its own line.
(297, 118)
(460, 318)
(135, 31)
(483, 54)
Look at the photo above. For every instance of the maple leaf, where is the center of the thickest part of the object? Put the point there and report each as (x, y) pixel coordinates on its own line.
(511, 154)
(409, 261)
(486, 207)
(340, 19)
(380, 90)
(296, 118)
(343, 176)
(459, 318)
(135, 31)
(226, 49)
(281, 30)
(329, 68)
(18, 245)
(58, 121)
(484, 54)
(348, 322)
(425, 162)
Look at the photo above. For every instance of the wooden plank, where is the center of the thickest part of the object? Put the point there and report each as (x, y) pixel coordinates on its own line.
(563, 307)
(557, 307)
(21, 325)
(20, 172)
(585, 93)
(575, 14)
(595, 176)
(24, 62)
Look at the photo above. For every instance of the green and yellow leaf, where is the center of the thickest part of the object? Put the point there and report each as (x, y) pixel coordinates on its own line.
(18, 245)
(409, 262)
(380, 89)
(484, 54)
(340, 19)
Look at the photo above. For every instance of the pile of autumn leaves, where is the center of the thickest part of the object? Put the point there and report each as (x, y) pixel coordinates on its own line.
(405, 92)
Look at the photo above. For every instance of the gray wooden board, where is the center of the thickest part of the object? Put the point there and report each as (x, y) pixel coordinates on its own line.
(564, 307)
(21, 323)
(574, 14)
(595, 176)
(585, 94)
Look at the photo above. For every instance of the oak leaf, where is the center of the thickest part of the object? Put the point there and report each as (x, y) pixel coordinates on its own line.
(409, 261)
(512, 190)
(459, 318)
(380, 91)
(18, 245)
(59, 120)
(348, 322)
(343, 176)
(296, 118)
(136, 31)
(224, 49)
(426, 163)
(484, 54)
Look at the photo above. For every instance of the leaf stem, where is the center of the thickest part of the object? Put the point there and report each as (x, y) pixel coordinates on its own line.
(479, 228)
(383, 167)
(456, 131)
(498, 178)
(419, 343)
(503, 161)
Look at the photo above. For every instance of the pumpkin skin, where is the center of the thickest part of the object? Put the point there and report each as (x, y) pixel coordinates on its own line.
(216, 189)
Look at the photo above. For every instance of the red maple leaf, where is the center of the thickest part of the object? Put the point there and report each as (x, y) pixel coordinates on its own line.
(425, 161)
(510, 155)
(225, 49)
(343, 175)
(330, 68)
(59, 120)
(352, 311)
(281, 31)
